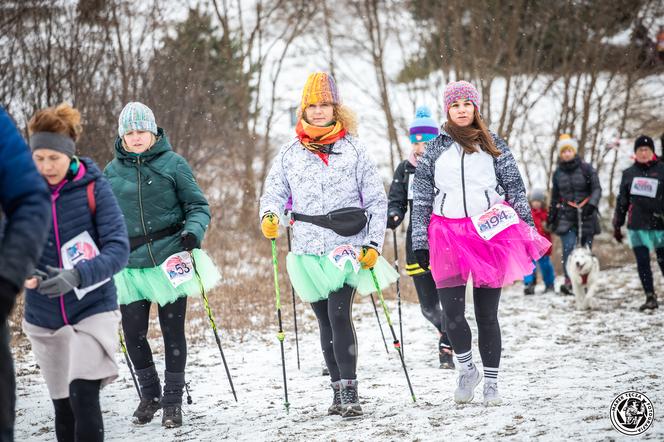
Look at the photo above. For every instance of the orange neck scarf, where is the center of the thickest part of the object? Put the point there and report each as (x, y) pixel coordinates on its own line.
(315, 138)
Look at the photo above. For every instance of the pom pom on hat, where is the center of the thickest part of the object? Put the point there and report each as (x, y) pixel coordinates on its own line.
(567, 142)
(644, 140)
(423, 128)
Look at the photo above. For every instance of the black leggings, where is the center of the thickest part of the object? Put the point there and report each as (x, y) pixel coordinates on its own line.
(78, 417)
(642, 255)
(135, 320)
(486, 302)
(429, 301)
(337, 334)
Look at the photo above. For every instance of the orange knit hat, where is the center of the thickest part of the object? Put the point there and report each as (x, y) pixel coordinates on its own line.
(319, 88)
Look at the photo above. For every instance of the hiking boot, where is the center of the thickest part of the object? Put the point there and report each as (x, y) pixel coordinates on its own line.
(651, 302)
(172, 417)
(148, 379)
(529, 289)
(549, 288)
(350, 402)
(146, 410)
(445, 357)
(466, 383)
(171, 401)
(491, 397)
(335, 408)
(566, 288)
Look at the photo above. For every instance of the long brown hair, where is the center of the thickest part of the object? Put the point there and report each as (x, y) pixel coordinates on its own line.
(470, 136)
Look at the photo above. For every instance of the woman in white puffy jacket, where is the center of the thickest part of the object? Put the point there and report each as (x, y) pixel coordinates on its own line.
(326, 170)
(471, 219)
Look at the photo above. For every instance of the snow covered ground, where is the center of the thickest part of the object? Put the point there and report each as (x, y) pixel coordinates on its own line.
(560, 371)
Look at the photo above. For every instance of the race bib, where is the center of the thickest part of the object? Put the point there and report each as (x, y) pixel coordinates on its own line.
(178, 268)
(343, 254)
(78, 249)
(644, 187)
(495, 220)
(411, 178)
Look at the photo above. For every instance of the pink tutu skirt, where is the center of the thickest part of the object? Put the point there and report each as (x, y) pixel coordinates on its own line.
(457, 251)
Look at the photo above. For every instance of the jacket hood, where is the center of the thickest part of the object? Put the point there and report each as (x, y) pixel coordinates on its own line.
(92, 173)
(160, 146)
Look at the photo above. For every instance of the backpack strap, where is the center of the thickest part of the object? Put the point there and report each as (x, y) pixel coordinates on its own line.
(92, 203)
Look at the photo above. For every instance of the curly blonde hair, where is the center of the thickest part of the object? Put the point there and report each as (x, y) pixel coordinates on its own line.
(63, 119)
(343, 114)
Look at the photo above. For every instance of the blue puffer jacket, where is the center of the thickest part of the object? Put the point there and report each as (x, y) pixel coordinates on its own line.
(24, 201)
(72, 215)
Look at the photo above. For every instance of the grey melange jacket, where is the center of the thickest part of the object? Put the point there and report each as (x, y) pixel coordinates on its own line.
(350, 179)
(509, 186)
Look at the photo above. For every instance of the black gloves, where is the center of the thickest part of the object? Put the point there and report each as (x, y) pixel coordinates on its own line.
(393, 223)
(188, 241)
(422, 258)
(588, 210)
(617, 234)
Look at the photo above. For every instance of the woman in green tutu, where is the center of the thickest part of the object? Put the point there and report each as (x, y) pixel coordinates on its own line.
(166, 215)
(325, 171)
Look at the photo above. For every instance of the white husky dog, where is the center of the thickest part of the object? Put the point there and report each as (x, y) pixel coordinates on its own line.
(583, 270)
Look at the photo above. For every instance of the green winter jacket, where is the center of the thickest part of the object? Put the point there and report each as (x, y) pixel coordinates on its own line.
(167, 195)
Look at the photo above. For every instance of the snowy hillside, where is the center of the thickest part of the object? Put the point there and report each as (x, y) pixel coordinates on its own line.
(560, 371)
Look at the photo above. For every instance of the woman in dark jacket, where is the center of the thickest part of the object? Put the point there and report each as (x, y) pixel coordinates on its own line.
(71, 309)
(641, 200)
(400, 199)
(166, 215)
(575, 186)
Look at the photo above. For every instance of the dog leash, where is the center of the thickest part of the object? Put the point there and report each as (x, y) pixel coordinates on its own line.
(578, 208)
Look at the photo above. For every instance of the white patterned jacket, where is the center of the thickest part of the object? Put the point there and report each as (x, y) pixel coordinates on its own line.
(350, 180)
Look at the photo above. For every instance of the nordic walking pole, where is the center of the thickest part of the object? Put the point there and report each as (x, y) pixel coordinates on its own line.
(297, 343)
(396, 267)
(213, 324)
(380, 326)
(280, 334)
(123, 347)
(397, 345)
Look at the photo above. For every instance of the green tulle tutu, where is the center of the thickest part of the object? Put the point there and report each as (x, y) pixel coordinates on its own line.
(314, 277)
(152, 284)
(653, 239)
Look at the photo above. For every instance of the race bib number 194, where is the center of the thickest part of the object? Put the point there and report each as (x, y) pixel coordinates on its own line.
(495, 220)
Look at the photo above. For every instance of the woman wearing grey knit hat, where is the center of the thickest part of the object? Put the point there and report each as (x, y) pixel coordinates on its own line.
(166, 215)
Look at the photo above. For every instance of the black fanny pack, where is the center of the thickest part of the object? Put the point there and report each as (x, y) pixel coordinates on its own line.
(348, 221)
(136, 241)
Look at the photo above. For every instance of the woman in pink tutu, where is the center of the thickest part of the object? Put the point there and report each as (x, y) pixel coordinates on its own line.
(471, 219)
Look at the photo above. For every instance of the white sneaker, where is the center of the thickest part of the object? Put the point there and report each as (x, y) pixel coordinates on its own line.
(466, 383)
(491, 397)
